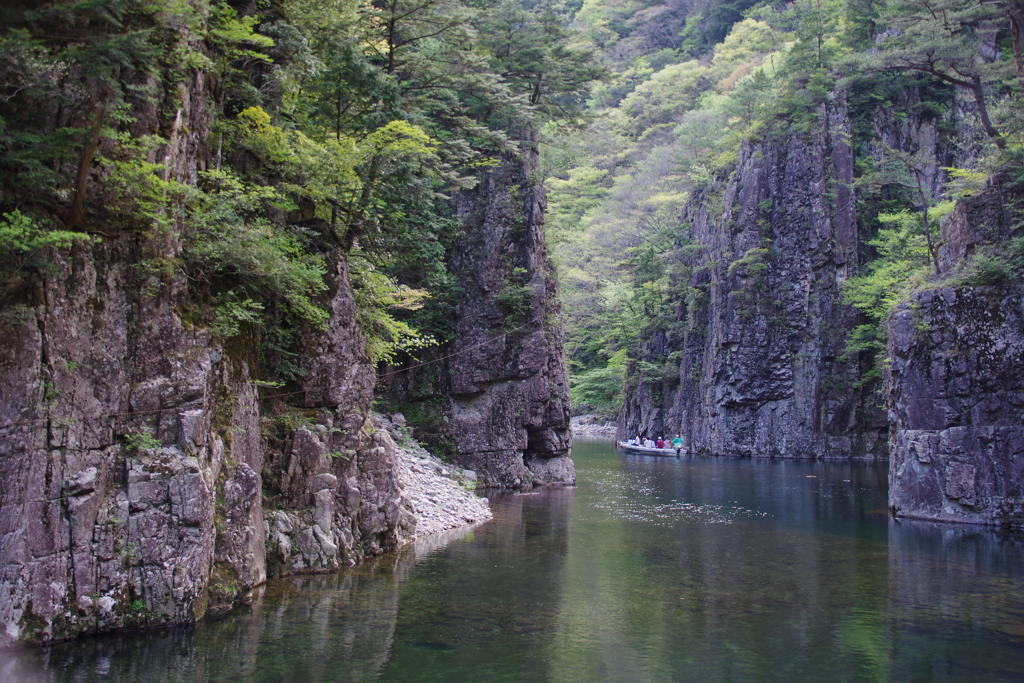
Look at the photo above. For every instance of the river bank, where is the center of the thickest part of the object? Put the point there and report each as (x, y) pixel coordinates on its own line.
(436, 496)
(592, 427)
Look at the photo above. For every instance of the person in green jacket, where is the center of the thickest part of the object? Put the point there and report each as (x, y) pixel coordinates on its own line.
(677, 444)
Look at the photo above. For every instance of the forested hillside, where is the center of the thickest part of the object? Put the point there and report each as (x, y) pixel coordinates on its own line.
(689, 95)
(778, 234)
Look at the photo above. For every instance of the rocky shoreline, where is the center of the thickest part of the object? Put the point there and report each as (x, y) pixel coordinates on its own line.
(592, 427)
(436, 496)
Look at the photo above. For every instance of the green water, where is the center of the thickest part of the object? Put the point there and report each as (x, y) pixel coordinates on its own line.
(650, 570)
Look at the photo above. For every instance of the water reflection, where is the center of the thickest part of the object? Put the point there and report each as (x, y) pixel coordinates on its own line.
(482, 610)
(653, 569)
(303, 628)
(953, 585)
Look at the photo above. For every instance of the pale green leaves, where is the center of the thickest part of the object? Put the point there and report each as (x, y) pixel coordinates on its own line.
(377, 297)
(23, 242)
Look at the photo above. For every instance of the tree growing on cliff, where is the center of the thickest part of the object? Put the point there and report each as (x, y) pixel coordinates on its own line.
(903, 264)
(910, 171)
(533, 50)
(951, 40)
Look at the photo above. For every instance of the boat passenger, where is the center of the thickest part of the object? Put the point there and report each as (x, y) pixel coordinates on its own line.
(648, 443)
(660, 443)
(677, 444)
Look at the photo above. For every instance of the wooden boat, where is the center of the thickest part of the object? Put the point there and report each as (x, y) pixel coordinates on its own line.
(643, 450)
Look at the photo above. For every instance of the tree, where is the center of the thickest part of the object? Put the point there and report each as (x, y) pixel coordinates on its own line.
(535, 52)
(943, 38)
(898, 167)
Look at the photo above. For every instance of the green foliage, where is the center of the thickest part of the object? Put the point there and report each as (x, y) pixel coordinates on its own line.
(670, 126)
(996, 264)
(752, 264)
(533, 50)
(23, 243)
(235, 35)
(145, 199)
(378, 298)
(235, 244)
(141, 441)
(902, 266)
(572, 198)
(230, 313)
(515, 299)
(946, 40)
(343, 129)
(625, 258)
(599, 390)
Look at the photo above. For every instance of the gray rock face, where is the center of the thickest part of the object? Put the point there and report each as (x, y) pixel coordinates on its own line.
(751, 363)
(133, 463)
(144, 483)
(984, 218)
(134, 458)
(956, 393)
(501, 385)
(109, 458)
(131, 451)
(509, 394)
(109, 454)
(956, 385)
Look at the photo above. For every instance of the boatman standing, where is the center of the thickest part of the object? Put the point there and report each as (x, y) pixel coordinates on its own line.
(677, 444)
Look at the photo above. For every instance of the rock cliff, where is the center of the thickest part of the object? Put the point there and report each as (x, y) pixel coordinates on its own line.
(138, 488)
(501, 384)
(753, 365)
(752, 360)
(149, 477)
(955, 386)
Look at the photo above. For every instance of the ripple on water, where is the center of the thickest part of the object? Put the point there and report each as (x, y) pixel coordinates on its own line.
(634, 497)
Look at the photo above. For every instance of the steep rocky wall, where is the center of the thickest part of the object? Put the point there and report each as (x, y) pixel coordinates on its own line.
(133, 461)
(501, 385)
(149, 478)
(752, 363)
(957, 406)
(955, 386)
(134, 464)
(754, 351)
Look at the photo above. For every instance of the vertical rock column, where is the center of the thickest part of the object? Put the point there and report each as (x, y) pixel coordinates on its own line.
(335, 483)
(509, 406)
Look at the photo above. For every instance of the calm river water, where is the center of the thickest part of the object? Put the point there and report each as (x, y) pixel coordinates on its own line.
(652, 569)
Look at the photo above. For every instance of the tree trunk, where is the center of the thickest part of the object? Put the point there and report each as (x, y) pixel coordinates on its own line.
(986, 122)
(924, 217)
(92, 142)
